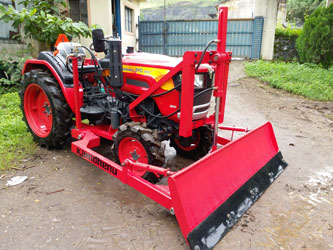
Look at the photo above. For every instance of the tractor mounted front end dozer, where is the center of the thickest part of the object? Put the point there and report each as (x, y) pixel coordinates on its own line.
(139, 100)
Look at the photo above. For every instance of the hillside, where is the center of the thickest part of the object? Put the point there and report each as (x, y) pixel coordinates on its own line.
(175, 9)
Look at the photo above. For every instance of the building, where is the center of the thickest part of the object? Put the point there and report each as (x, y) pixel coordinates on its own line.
(268, 9)
(113, 16)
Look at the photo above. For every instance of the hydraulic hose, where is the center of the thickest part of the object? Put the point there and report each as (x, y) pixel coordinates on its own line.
(173, 113)
(203, 53)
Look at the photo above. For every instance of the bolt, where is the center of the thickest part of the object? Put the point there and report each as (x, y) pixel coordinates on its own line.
(172, 211)
(79, 137)
(196, 247)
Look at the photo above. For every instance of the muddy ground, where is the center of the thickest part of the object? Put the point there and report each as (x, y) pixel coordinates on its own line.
(93, 210)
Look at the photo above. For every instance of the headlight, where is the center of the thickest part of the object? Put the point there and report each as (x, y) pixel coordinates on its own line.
(199, 80)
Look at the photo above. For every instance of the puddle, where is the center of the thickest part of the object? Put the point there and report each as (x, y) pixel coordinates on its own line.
(305, 222)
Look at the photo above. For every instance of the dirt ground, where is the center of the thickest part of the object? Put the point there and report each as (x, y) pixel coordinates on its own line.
(93, 210)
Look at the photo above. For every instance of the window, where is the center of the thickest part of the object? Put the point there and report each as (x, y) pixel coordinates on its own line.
(128, 19)
(78, 10)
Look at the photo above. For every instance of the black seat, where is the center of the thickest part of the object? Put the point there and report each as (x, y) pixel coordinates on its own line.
(59, 65)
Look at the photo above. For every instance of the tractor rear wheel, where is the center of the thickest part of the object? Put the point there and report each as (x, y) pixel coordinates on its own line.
(45, 110)
(134, 142)
(196, 146)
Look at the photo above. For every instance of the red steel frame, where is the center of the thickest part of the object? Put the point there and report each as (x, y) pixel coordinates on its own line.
(219, 59)
(172, 198)
(89, 136)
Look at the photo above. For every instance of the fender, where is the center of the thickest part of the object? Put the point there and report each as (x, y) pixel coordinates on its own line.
(67, 92)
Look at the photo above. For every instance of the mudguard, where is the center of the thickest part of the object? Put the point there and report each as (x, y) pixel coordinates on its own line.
(68, 92)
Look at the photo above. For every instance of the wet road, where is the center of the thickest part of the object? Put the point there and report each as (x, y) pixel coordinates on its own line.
(96, 211)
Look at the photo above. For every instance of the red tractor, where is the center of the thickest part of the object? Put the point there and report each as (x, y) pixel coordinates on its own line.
(139, 100)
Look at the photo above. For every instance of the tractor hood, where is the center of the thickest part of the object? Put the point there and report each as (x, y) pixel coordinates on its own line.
(151, 60)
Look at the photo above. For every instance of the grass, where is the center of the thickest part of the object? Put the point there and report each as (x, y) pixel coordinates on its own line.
(308, 80)
(15, 142)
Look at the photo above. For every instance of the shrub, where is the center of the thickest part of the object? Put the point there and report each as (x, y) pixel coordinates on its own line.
(297, 10)
(285, 41)
(41, 21)
(315, 43)
(289, 31)
(10, 70)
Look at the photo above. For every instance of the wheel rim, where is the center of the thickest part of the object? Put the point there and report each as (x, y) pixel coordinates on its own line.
(38, 110)
(193, 145)
(132, 149)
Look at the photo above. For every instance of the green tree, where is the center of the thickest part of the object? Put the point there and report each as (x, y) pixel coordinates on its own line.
(315, 43)
(42, 20)
(298, 9)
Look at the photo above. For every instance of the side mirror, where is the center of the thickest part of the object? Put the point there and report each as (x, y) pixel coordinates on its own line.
(98, 40)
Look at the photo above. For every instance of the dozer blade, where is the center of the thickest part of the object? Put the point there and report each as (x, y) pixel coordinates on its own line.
(212, 194)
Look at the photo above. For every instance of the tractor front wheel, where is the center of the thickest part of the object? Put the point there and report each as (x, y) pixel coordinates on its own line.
(45, 110)
(196, 146)
(136, 143)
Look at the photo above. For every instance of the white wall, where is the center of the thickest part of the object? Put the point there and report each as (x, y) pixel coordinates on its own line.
(238, 9)
(267, 9)
(282, 12)
(100, 12)
(130, 38)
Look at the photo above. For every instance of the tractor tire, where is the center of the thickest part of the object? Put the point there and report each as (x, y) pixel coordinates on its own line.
(137, 143)
(198, 149)
(45, 110)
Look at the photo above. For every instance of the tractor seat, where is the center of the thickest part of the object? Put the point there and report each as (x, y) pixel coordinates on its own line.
(58, 63)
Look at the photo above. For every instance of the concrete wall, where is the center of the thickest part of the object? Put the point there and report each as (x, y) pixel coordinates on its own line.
(267, 9)
(239, 8)
(130, 38)
(100, 12)
(11, 48)
(282, 12)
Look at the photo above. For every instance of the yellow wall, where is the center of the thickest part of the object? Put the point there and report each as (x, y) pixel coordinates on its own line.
(100, 12)
(129, 39)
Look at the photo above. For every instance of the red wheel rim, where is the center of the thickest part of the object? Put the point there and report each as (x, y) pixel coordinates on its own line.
(38, 110)
(132, 149)
(192, 146)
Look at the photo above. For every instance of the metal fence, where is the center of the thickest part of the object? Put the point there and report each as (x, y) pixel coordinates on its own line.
(174, 37)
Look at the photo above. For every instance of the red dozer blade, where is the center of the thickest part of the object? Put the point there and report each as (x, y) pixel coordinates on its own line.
(211, 195)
